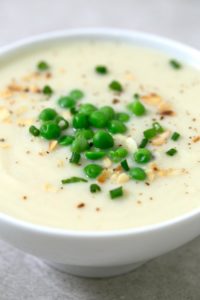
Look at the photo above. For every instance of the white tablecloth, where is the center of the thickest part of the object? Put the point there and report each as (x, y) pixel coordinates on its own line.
(173, 276)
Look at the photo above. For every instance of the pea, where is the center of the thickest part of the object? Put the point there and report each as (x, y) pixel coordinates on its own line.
(50, 130)
(98, 119)
(47, 114)
(80, 121)
(66, 102)
(76, 94)
(137, 108)
(108, 112)
(79, 145)
(65, 140)
(137, 173)
(116, 126)
(93, 170)
(95, 155)
(123, 117)
(118, 155)
(87, 133)
(142, 156)
(87, 108)
(103, 140)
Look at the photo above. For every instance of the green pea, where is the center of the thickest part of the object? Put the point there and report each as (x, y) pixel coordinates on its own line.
(116, 86)
(142, 156)
(86, 133)
(94, 155)
(76, 94)
(34, 131)
(98, 119)
(123, 117)
(93, 170)
(116, 126)
(47, 90)
(108, 112)
(118, 155)
(62, 122)
(137, 108)
(66, 102)
(66, 140)
(79, 145)
(47, 114)
(80, 121)
(103, 140)
(50, 130)
(43, 66)
(137, 174)
(87, 108)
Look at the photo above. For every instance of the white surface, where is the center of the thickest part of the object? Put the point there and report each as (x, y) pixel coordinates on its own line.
(174, 276)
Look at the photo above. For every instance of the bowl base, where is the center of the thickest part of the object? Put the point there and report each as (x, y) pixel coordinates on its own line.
(95, 272)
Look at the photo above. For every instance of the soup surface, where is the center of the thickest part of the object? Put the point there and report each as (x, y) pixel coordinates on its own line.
(32, 168)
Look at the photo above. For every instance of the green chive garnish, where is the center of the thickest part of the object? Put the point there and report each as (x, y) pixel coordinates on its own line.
(94, 188)
(101, 69)
(43, 66)
(171, 152)
(73, 180)
(116, 86)
(158, 127)
(118, 192)
(125, 165)
(143, 143)
(150, 133)
(47, 90)
(34, 131)
(175, 136)
(75, 158)
(175, 64)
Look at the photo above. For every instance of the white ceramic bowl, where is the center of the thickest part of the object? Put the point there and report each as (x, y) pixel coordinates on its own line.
(101, 254)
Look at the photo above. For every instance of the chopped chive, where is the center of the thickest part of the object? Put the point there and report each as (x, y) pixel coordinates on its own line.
(73, 110)
(143, 143)
(150, 133)
(175, 64)
(42, 66)
(34, 131)
(175, 136)
(118, 192)
(73, 180)
(116, 86)
(171, 152)
(101, 69)
(94, 188)
(47, 90)
(125, 165)
(75, 158)
(158, 127)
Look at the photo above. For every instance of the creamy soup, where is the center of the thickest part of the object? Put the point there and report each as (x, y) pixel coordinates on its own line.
(154, 91)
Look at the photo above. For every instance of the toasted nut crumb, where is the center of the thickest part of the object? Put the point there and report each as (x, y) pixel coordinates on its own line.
(105, 174)
(52, 145)
(122, 178)
(152, 99)
(48, 187)
(161, 138)
(25, 122)
(107, 163)
(4, 146)
(4, 113)
(196, 139)
(165, 109)
(81, 205)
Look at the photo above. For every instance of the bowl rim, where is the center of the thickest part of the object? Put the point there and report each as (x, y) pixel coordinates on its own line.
(109, 34)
